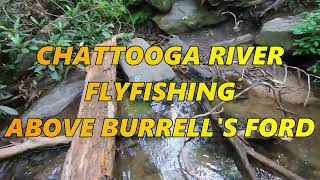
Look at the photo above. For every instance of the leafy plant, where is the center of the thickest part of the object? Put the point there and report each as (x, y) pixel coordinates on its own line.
(308, 37)
(15, 41)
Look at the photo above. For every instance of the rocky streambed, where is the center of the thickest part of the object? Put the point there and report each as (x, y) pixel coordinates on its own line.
(202, 158)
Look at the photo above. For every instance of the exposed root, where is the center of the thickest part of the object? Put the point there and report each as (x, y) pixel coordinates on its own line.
(213, 110)
(308, 77)
(244, 150)
(256, 2)
(272, 6)
(236, 27)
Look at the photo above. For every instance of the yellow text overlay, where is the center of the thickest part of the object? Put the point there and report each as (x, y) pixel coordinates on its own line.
(256, 55)
(162, 127)
(162, 91)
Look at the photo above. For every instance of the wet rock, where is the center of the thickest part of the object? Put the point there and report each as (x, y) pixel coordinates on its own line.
(55, 100)
(201, 72)
(187, 15)
(241, 40)
(278, 32)
(161, 5)
(144, 72)
(176, 41)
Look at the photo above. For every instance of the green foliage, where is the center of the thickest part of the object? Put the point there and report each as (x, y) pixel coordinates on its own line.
(15, 43)
(308, 37)
(85, 23)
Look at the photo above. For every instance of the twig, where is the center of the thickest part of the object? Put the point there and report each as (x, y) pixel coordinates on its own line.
(309, 80)
(236, 27)
(272, 6)
(61, 8)
(212, 111)
(5, 12)
(244, 151)
(256, 2)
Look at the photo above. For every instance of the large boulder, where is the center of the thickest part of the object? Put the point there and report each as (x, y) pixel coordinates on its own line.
(187, 15)
(161, 5)
(144, 72)
(278, 32)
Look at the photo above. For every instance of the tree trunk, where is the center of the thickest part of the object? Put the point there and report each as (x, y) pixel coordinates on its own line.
(92, 158)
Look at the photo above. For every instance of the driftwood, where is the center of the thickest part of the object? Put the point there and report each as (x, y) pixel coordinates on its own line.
(31, 144)
(93, 158)
(244, 151)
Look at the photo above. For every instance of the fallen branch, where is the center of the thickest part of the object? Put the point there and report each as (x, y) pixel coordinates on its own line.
(241, 147)
(31, 144)
(243, 150)
(272, 6)
(93, 158)
(213, 110)
(256, 2)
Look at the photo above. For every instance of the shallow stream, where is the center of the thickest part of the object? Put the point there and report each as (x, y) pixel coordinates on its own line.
(158, 158)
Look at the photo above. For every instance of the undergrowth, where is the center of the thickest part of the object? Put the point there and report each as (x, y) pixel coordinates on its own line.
(308, 37)
(78, 23)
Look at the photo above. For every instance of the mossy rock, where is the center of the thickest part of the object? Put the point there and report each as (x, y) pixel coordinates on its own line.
(187, 15)
(136, 109)
(161, 5)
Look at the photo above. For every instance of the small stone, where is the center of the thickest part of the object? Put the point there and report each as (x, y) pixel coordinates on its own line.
(144, 72)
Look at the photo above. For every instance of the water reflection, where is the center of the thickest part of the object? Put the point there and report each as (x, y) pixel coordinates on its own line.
(158, 158)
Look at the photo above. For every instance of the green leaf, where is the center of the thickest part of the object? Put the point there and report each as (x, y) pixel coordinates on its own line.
(8, 110)
(16, 23)
(54, 75)
(52, 67)
(39, 68)
(34, 20)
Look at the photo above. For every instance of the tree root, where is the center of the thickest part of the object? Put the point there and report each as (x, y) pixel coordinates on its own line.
(256, 2)
(272, 6)
(308, 77)
(244, 151)
(242, 148)
(31, 144)
(213, 110)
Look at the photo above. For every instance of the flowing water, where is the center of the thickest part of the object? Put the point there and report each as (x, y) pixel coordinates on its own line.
(161, 158)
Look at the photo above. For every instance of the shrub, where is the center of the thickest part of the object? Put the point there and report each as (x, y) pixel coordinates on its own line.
(308, 37)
